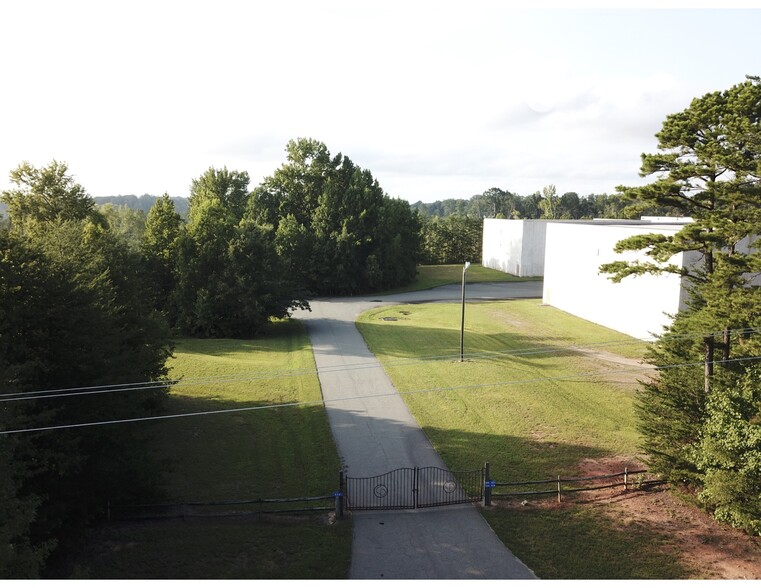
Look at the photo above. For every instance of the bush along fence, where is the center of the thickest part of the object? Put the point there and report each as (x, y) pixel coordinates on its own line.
(558, 486)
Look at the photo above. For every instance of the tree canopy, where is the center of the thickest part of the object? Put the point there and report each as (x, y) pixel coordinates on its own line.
(75, 313)
(334, 225)
(708, 168)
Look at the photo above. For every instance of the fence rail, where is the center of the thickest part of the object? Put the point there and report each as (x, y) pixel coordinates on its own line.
(336, 500)
(559, 489)
(219, 508)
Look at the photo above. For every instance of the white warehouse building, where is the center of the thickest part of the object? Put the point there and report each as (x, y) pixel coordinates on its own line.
(514, 246)
(638, 305)
(569, 254)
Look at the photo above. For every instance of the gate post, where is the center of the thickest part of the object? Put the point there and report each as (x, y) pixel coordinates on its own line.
(415, 487)
(487, 487)
(340, 495)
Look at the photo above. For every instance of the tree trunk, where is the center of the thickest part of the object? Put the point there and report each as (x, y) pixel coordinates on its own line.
(709, 352)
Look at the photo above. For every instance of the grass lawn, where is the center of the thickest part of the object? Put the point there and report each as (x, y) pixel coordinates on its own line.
(431, 276)
(531, 402)
(269, 453)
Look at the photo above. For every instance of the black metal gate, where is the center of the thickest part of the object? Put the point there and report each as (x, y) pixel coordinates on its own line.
(414, 488)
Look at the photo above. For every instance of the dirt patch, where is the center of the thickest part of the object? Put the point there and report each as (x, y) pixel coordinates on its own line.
(620, 369)
(712, 549)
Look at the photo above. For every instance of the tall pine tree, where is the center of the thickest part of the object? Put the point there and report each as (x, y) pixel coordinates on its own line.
(709, 168)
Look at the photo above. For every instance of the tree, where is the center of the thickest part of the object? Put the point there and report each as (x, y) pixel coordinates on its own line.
(334, 226)
(708, 168)
(75, 313)
(569, 206)
(454, 239)
(229, 187)
(229, 280)
(45, 195)
(730, 453)
(159, 248)
(127, 225)
(531, 206)
(550, 202)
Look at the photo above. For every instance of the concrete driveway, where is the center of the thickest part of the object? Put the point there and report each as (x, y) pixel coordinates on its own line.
(375, 433)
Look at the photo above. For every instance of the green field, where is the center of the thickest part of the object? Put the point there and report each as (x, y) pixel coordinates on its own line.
(534, 398)
(262, 453)
(431, 276)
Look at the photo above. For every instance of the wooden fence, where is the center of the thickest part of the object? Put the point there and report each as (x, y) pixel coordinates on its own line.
(626, 479)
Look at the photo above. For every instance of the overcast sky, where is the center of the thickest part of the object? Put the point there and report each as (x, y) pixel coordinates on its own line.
(438, 99)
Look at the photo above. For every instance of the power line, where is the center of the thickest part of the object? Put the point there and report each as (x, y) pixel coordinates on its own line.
(83, 391)
(154, 385)
(369, 396)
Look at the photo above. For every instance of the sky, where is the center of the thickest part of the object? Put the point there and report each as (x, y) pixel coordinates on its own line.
(438, 99)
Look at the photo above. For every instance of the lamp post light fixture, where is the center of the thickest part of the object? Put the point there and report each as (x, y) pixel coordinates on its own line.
(462, 321)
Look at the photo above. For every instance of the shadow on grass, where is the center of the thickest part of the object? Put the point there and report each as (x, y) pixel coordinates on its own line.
(303, 548)
(577, 539)
(384, 337)
(552, 544)
(256, 452)
(289, 451)
(282, 332)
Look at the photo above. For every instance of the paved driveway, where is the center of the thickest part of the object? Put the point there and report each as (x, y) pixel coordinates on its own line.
(375, 433)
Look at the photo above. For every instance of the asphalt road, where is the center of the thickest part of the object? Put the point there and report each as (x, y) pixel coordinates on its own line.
(375, 433)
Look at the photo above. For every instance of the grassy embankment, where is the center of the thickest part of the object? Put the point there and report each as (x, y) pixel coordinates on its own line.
(268, 453)
(555, 408)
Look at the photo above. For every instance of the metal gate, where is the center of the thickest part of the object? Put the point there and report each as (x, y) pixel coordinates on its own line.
(406, 488)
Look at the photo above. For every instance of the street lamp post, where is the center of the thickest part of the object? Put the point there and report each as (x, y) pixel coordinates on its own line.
(462, 322)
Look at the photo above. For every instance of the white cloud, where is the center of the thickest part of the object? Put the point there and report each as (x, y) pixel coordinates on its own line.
(439, 100)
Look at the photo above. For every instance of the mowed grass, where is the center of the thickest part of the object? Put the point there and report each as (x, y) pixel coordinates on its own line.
(431, 276)
(527, 399)
(534, 401)
(266, 452)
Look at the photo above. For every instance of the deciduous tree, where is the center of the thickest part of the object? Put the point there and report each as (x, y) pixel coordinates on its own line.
(74, 312)
(334, 227)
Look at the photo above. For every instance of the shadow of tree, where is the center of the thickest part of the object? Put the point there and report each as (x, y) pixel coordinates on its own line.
(289, 451)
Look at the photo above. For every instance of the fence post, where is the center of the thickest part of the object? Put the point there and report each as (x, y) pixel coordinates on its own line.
(415, 487)
(626, 479)
(559, 491)
(340, 496)
(487, 489)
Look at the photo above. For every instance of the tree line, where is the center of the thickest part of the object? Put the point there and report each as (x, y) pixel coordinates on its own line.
(544, 204)
(92, 296)
(452, 230)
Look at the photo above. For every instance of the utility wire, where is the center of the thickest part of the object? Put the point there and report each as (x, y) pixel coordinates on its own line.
(368, 396)
(67, 392)
(154, 385)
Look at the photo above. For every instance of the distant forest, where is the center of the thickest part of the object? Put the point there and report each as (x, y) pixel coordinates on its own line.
(547, 204)
(492, 203)
(144, 202)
